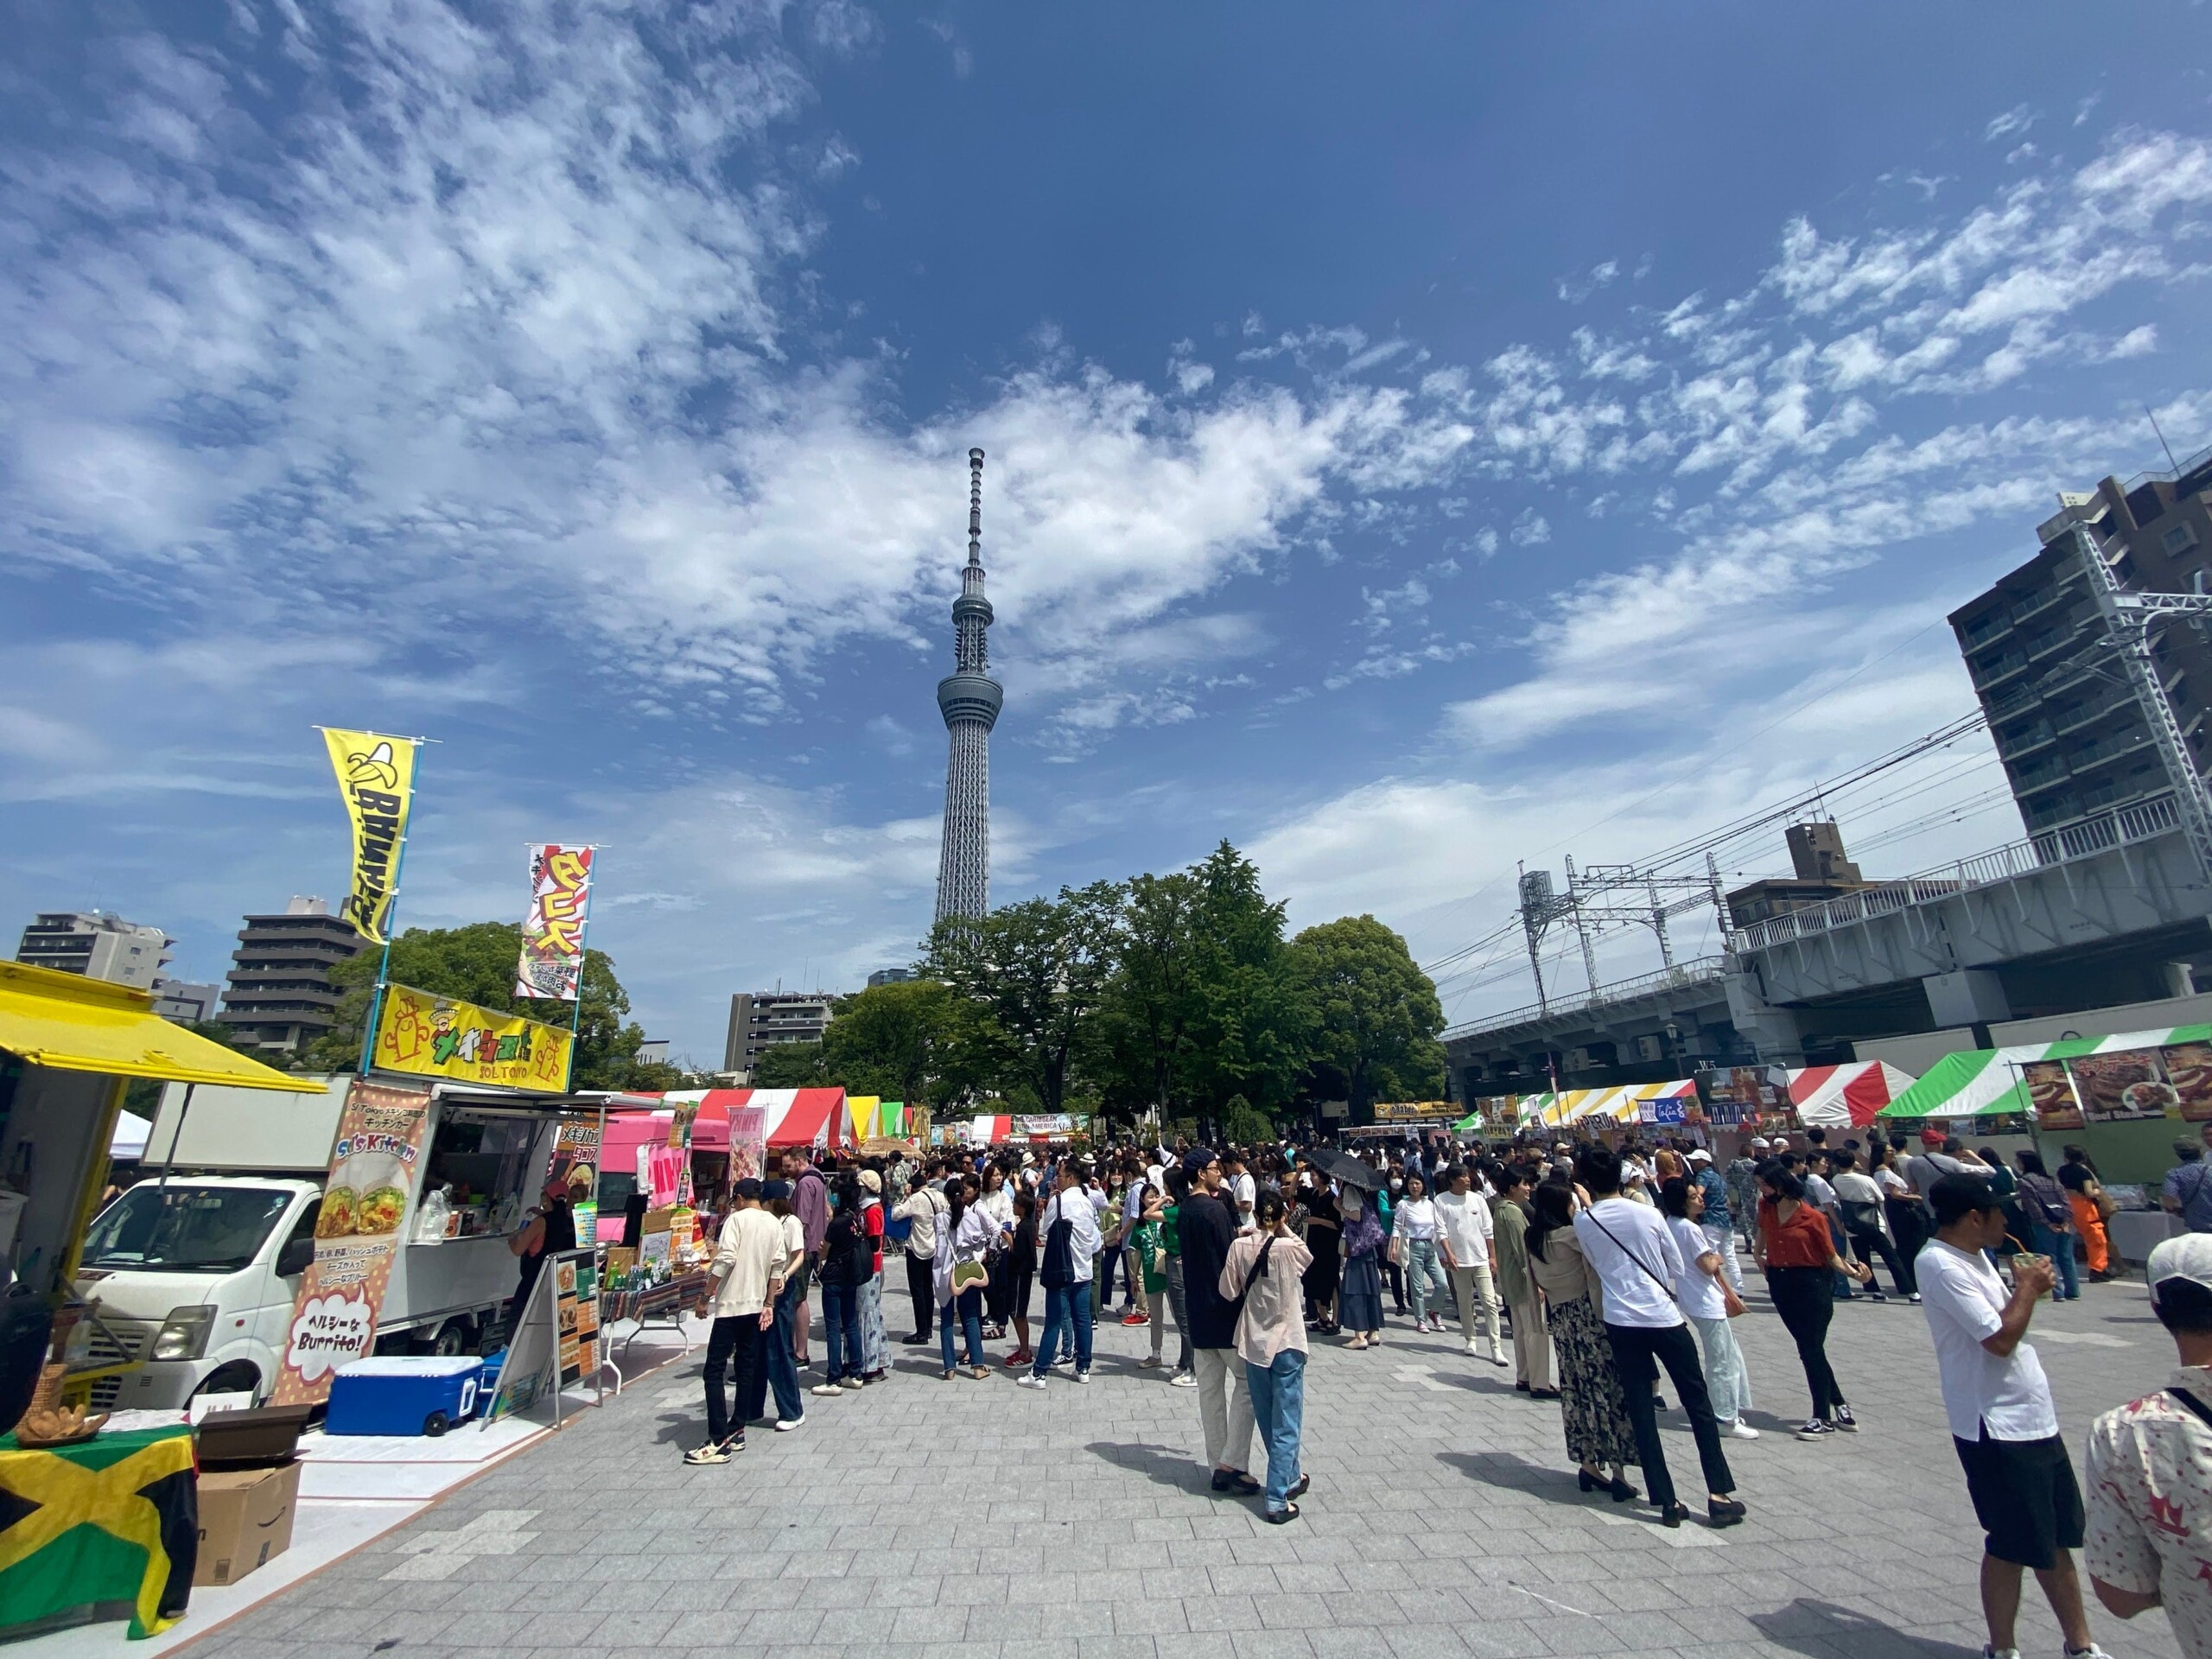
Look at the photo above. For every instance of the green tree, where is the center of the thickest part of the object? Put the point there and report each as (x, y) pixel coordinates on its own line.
(1036, 973)
(477, 964)
(1141, 1054)
(1251, 1030)
(790, 1065)
(1376, 1014)
(914, 1041)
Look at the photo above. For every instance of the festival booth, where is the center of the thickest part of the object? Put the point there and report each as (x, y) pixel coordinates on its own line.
(2124, 1099)
(1033, 1129)
(95, 1523)
(1845, 1097)
(1670, 1104)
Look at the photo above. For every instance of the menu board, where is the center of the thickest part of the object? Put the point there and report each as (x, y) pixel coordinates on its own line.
(2125, 1086)
(575, 1311)
(575, 1165)
(2050, 1091)
(373, 1166)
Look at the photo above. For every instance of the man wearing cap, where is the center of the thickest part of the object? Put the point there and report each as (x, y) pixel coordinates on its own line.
(746, 1276)
(2002, 1419)
(920, 1209)
(1206, 1228)
(2151, 1465)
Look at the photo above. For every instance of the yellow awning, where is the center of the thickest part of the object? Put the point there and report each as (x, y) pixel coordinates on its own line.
(75, 1024)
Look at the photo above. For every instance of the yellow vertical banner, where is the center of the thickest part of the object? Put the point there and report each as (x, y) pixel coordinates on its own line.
(376, 775)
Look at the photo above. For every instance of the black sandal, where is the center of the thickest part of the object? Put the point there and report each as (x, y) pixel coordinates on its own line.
(1282, 1516)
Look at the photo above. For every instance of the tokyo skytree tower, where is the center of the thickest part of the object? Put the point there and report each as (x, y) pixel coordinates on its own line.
(970, 700)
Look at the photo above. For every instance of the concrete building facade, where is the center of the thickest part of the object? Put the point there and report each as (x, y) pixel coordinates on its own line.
(2071, 733)
(96, 944)
(278, 993)
(761, 1019)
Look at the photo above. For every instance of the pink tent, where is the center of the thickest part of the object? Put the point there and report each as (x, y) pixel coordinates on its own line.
(1845, 1097)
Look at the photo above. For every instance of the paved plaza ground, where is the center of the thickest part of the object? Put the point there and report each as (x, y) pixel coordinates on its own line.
(975, 1519)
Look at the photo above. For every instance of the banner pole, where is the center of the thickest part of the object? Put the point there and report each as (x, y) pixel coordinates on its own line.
(583, 963)
(391, 911)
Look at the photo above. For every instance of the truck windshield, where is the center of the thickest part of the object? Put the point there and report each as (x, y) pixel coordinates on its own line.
(179, 1228)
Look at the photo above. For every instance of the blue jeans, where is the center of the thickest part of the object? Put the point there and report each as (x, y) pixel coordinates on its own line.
(2059, 1247)
(783, 1370)
(1423, 1274)
(1279, 1412)
(1067, 1311)
(967, 1310)
(841, 1326)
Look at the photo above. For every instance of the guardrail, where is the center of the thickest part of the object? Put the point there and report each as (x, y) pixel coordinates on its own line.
(2142, 821)
(1683, 975)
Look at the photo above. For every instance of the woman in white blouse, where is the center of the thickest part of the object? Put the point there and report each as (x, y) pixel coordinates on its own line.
(1413, 1247)
(1267, 1267)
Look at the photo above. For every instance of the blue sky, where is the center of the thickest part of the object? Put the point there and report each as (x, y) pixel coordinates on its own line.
(1420, 439)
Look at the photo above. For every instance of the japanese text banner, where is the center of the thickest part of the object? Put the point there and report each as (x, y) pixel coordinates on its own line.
(552, 962)
(376, 774)
(429, 1036)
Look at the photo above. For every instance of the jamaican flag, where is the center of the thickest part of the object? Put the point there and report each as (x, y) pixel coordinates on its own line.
(107, 1528)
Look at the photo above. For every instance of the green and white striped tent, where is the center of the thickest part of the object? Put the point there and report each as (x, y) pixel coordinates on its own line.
(1985, 1083)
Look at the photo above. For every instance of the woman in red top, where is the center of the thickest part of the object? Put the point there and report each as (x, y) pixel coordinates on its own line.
(876, 1354)
(1795, 1251)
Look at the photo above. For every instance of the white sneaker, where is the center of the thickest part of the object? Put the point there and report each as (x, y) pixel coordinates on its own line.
(1083, 1377)
(826, 1391)
(1740, 1430)
(1182, 1380)
(1989, 1652)
(2093, 1651)
(1029, 1380)
(1470, 1349)
(1497, 1355)
(784, 1425)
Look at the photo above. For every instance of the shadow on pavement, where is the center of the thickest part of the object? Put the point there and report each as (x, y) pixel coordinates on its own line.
(1821, 1629)
(1538, 1480)
(1162, 1465)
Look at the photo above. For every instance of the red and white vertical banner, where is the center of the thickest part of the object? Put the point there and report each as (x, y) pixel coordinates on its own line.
(553, 932)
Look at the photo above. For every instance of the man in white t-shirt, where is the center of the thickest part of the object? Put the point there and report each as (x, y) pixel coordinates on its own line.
(1466, 1234)
(1240, 1189)
(1629, 1248)
(2001, 1416)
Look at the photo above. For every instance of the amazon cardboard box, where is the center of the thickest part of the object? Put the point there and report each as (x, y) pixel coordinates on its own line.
(245, 1520)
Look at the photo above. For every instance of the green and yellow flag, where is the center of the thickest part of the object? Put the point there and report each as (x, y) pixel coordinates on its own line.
(376, 774)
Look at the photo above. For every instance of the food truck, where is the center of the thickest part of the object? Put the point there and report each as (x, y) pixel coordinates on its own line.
(197, 1269)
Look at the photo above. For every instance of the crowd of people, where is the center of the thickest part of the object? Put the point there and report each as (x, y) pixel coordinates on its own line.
(1603, 1267)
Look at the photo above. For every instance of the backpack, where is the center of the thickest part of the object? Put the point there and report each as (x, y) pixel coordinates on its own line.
(1057, 1270)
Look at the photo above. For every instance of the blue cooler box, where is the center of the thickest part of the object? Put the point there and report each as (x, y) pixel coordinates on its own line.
(400, 1394)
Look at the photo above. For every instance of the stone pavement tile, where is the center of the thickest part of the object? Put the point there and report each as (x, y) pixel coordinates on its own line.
(768, 1626)
(1295, 1613)
(1349, 1642)
(1148, 1616)
(1269, 1644)
(1115, 1646)
(974, 1590)
(1213, 1613)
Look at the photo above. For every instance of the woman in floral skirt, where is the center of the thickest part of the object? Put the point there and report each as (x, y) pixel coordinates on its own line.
(1599, 1436)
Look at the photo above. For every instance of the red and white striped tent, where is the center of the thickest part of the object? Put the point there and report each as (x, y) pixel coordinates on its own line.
(1845, 1097)
(796, 1117)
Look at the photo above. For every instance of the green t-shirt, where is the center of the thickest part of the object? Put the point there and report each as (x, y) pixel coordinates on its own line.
(1171, 1235)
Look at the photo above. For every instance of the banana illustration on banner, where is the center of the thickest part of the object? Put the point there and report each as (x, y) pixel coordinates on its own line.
(376, 775)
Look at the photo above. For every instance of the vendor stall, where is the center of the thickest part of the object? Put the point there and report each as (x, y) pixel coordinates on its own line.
(2125, 1098)
(1845, 1097)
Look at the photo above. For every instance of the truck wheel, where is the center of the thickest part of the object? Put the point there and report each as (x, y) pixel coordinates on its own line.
(435, 1424)
(236, 1378)
(455, 1338)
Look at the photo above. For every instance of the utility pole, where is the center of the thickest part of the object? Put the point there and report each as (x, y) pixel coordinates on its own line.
(1719, 903)
(1659, 925)
(2127, 619)
(1581, 930)
(1532, 923)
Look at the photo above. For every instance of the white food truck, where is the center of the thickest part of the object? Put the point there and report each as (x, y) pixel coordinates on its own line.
(196, 1268)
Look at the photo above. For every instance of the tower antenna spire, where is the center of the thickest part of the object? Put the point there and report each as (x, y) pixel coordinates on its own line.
(970, 699)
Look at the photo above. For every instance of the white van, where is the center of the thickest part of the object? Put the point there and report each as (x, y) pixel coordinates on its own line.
(194, 1270)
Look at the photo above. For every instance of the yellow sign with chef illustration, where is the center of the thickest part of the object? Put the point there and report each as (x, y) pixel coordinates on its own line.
(424, 1035)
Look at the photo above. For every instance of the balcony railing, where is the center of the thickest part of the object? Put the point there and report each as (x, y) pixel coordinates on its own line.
(2142, 821)
(1683, 975)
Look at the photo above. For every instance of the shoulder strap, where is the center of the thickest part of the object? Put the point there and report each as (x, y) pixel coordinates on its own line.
(2195, 1407)
(1593, 1213)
